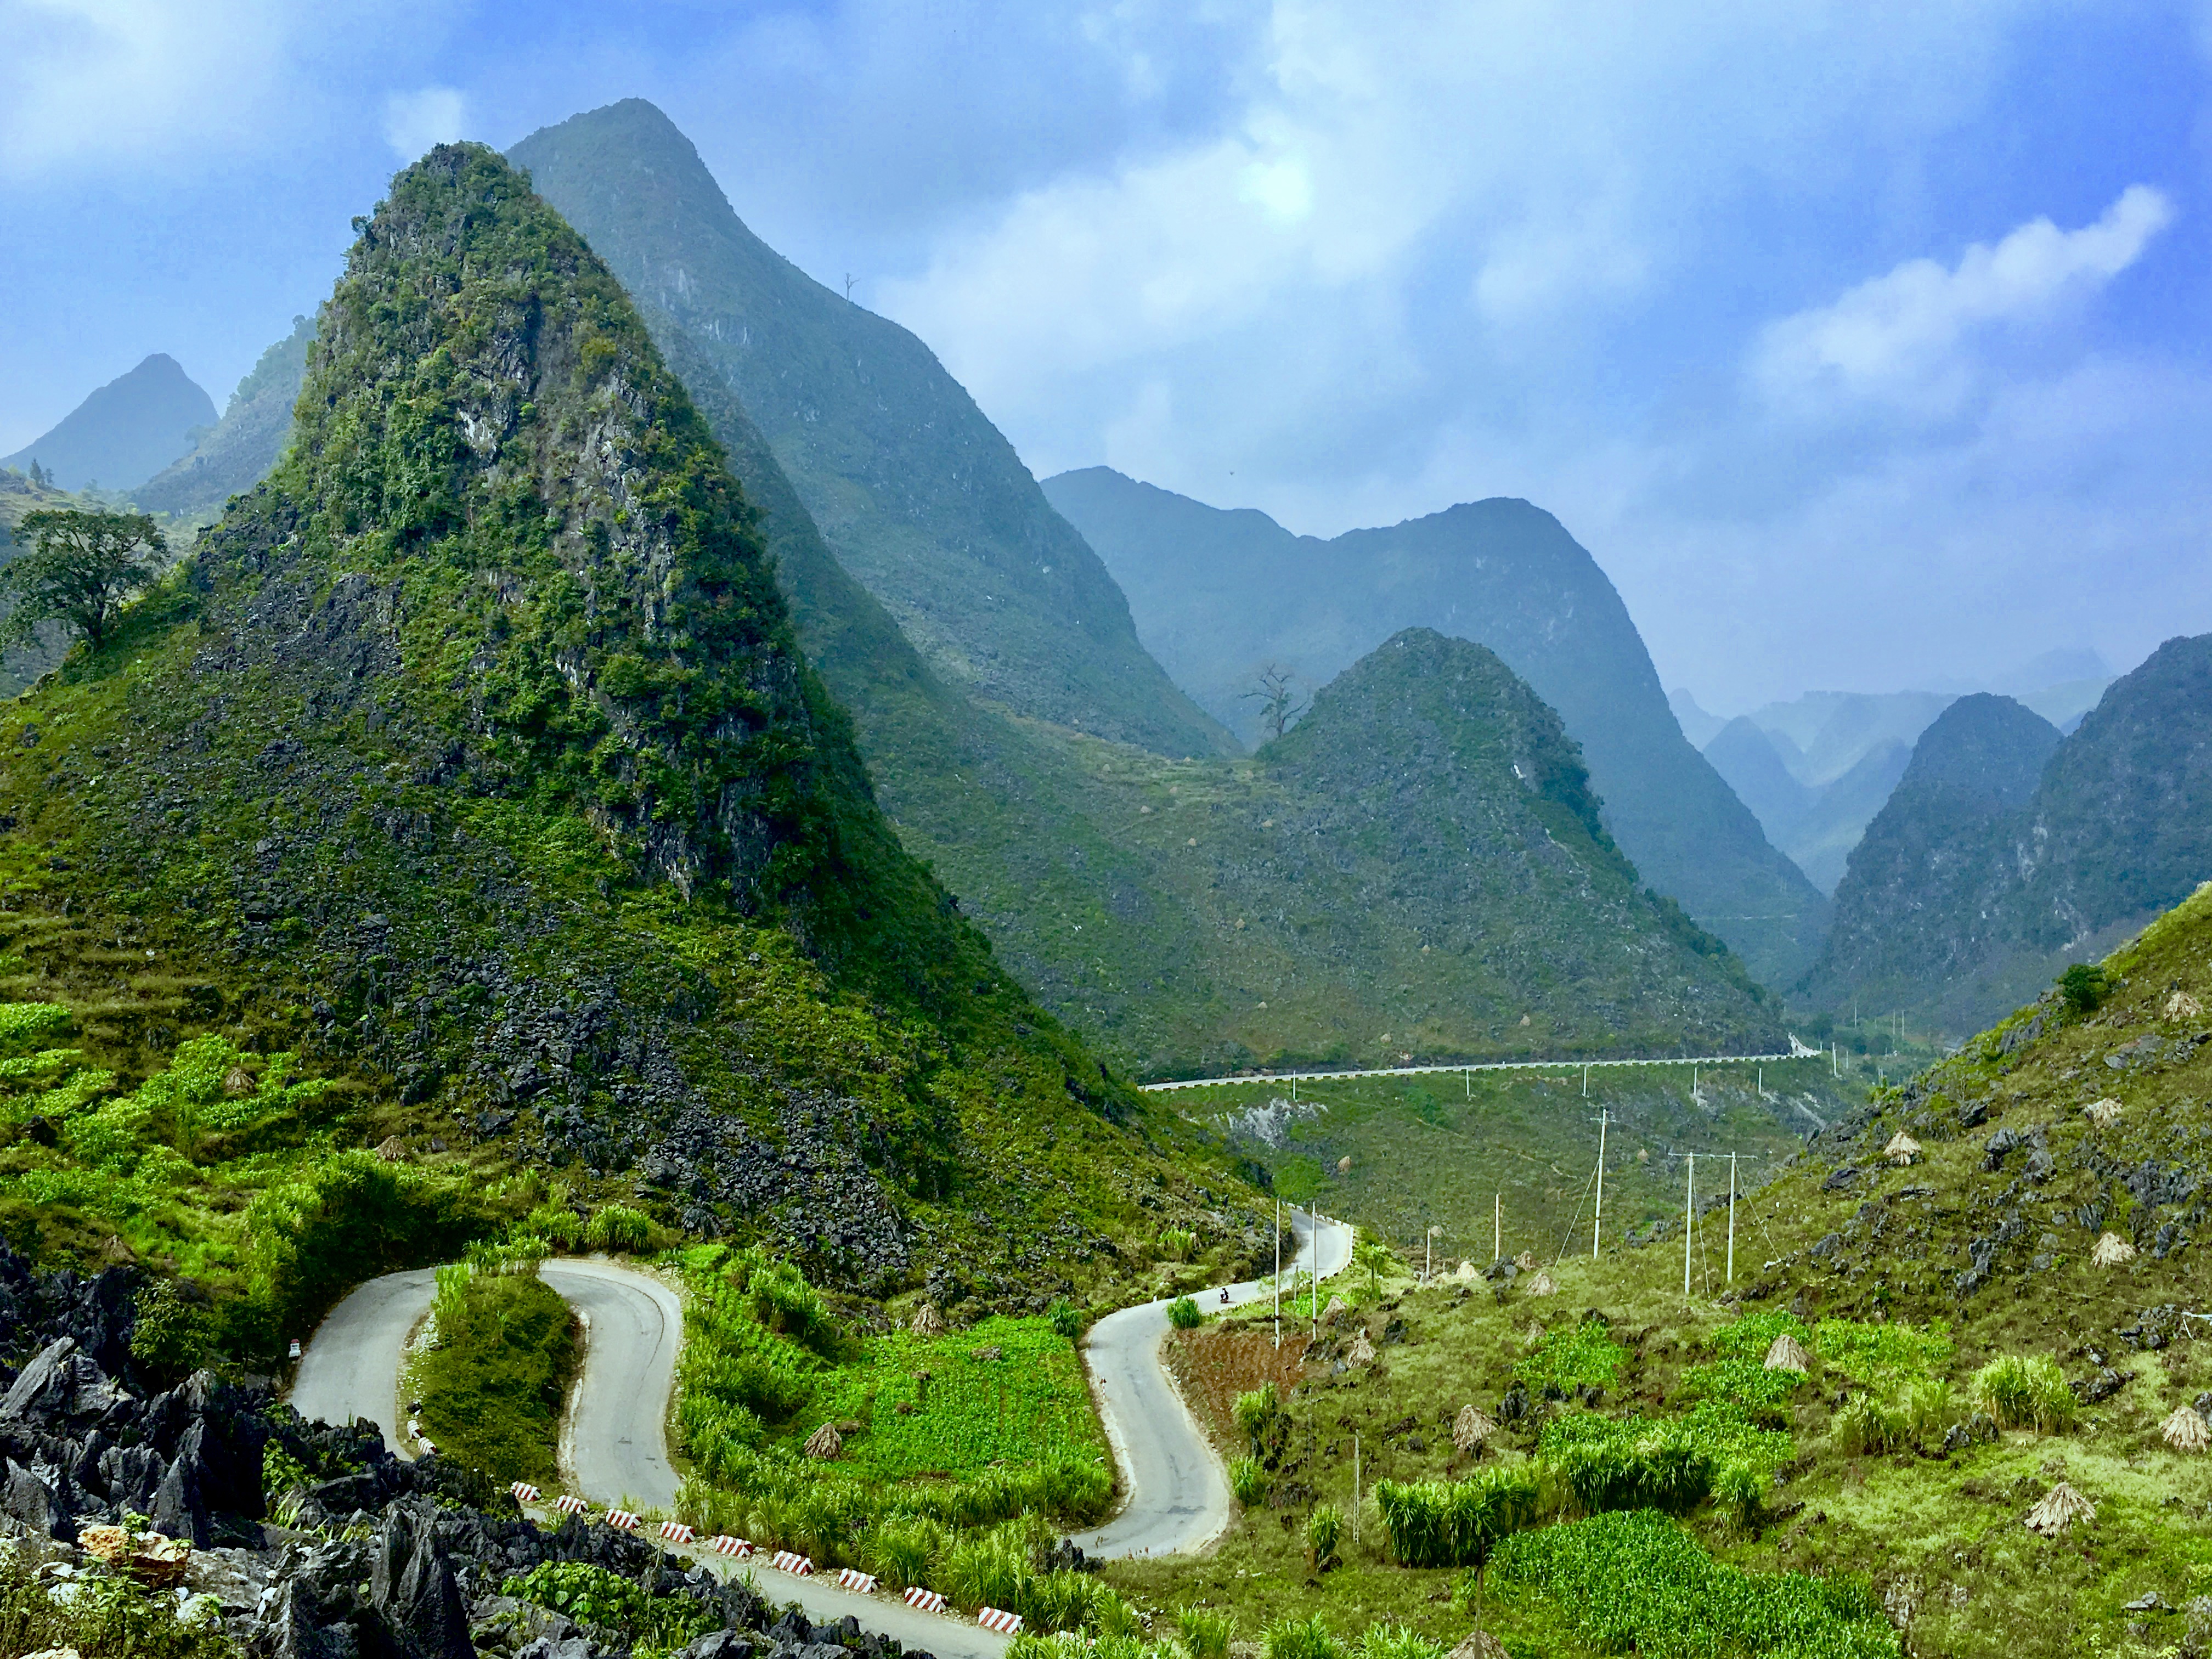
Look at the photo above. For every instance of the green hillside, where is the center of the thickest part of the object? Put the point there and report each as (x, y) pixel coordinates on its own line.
(2007, 851)
(1218, 595)
(919, 496)
(465, 794)
(1967, 1348)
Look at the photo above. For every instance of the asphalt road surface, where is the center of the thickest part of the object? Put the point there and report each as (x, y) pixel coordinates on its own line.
(613, 1448)
(1178, 1491)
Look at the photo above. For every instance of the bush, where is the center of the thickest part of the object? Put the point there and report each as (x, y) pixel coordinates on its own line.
(593, 1595)
(1066, 1318)
(1255, 1411)
(493, 1383)
(1438, 1523)
(1866, 1428)
(1248, 1479)
(1206, 1631)
(174, 1334)
(1324, 1528)
(1184, 1313)
(1739, 1489)
(2025, 1394)
(1927, 1406)
(618, 1227)
(1388, 1641)
(108, 1617)
(2082, 986)
(1178, 1244)
(1300, 1638)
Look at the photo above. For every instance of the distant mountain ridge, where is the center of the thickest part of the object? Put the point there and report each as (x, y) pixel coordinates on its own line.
(1220, 593)
(239, 450)
(918, 494)
(2007, 850)
(124, 431)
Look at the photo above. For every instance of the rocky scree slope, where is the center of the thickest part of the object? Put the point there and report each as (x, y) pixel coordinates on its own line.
(1216, 595)
(2009, 850)
(471, 755)
(373, 1556)
(919, 496)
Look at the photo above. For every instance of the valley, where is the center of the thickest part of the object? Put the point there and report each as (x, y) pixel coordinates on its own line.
(630, 937)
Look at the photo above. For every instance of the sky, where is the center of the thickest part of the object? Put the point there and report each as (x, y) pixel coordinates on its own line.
(1864, 344)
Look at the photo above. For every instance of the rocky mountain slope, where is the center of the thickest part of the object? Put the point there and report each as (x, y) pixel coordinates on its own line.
(1218, 595)
(914, 490)
(237, 452)
(466, 791)
(1975, 882)
(125, 432)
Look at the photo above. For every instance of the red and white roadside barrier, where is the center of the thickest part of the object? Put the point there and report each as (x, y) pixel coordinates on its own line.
(927, 1600)
(852, 1579)
(791, 1561)
(725, 1544)
(622, 1520)
(569, 1504)
(676, 1531)
(524, 1492)
(998, 1619)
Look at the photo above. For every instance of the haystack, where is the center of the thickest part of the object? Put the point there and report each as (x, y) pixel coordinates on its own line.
(2182, 1005)
(238, 1082)
(1469, 1273)
(1478, 1644)
(927, 1321)
(825, 1443)
(2112, 1250)
(2058, 1509)
(2102, 1112)
(1525, 1261)
(1902, 1148)
(1363, 1350)
(1542, 1284)
(1343, 1166)
(392, 1150)
(1472, 1427)
(1788, 1354)
(2186, 1430)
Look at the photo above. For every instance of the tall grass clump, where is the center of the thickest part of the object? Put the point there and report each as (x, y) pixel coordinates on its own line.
(618, 1227)
(1206, 1631)
(1184, 1313)
(1324, 1530)
(1248, 1479)
(2023, 1393)
(1389, 1641)
(1455, 1523)
(1300, 1638)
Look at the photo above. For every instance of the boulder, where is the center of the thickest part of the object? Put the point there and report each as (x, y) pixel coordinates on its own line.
(61, 1389)
(412, 1587)
(30, 1502)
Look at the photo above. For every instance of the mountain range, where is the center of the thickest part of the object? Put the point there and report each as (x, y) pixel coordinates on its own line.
(124, 431)
(1220, 595)
(236, 452)
(2008, 850)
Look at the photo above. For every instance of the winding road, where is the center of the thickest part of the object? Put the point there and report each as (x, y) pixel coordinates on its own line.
(1178, 1490)
(614, 1445)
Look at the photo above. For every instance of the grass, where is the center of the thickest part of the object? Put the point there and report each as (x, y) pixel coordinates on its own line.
(495, 1379)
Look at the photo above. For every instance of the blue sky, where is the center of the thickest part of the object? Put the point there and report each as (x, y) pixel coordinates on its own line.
(1864, 344)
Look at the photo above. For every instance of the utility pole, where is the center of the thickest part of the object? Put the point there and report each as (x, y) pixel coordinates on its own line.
(1429, 1255)
(1498, 1227)
(1689, 1220)
(1585, 1083)
(1598, 1218)
(1279, 1272)
(1355, 1487)
(1731, 1253)
(849, 288)
(1467, 1081)
(1312, 1303)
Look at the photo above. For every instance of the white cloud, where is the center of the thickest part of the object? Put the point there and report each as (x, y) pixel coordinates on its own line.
(1899, 338)
(418, 121)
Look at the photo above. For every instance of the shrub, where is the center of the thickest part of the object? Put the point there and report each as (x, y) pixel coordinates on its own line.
(1739, 1489)
(1066, 1318)
(1300, 1638)
(1184, 1313)
(1178, 1244)
(1438, 1523)
(174, 1334)
(1927, 1406)
(2082, 986)
(593, 1595)
(1866, 1428)
(106, 1617)
(2025, 1394)
(1247, 1479)
(1324, 1528)
(1206, 1631)
(618, 1227)
(900, 1549)
(1255, 1411)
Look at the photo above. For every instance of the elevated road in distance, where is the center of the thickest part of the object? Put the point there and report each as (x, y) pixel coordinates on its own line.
(1472, 1066)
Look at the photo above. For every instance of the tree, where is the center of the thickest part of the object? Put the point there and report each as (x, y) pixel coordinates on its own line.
(1278, 703)
(1374, 1255)
(81, 570)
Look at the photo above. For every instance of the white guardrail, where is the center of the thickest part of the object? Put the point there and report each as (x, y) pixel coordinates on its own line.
(1470, 1066)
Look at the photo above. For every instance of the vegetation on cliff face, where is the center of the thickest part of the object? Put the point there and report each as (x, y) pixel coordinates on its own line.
(2008, 851)
(470, 760)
